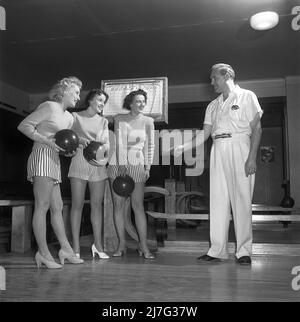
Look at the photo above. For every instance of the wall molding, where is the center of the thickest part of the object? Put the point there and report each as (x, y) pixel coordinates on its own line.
(204, 92)
(200, 92)
(293, 80)
(197, 92)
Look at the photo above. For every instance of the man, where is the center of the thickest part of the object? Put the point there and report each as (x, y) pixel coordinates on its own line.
(233, 121)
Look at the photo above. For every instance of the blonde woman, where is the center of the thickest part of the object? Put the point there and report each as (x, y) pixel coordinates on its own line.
(43, 167)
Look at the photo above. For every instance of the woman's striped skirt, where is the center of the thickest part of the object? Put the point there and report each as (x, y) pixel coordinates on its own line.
(81, 169)
(137, 172)
(43, 162)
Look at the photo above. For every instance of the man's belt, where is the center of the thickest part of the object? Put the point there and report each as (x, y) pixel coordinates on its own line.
(221, 136)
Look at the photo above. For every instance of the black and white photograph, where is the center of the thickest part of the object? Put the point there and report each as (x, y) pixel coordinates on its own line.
(149, 155)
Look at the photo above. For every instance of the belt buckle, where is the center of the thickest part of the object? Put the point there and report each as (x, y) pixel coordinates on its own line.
(222, 135)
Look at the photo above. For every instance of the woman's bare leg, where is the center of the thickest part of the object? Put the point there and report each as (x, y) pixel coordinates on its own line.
(78, 188)
(137, 203)
(119, 206)
(96, 195)
(42, 190)
(56, 206)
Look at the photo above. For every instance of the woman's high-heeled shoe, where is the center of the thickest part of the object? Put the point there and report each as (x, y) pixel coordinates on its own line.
(48, 263)
(147, 255)
(100, 254)
(120, 253)
(71, 257)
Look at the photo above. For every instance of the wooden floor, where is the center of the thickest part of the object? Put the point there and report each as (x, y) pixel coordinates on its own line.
(174, 276)
(170, 277)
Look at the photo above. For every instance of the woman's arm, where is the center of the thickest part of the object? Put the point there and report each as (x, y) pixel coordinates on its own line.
(103, 135)
(121, 145)
(149, 144)
(29, 125)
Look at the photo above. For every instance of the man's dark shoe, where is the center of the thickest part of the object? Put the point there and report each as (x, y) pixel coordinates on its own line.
(207, 258)
(244, 260)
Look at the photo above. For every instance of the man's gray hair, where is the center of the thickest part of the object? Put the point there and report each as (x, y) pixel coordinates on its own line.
(224, 69)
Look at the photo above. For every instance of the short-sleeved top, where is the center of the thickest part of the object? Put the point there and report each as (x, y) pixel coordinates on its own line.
(48, 118)
(234, 114)
(93, 128)
(135, 139)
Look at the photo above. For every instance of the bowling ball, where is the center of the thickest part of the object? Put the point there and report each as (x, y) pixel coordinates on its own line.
(123, 185)
(67, 140)
(95, 151)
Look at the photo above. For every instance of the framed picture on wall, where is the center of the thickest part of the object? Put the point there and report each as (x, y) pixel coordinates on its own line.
(157, 96)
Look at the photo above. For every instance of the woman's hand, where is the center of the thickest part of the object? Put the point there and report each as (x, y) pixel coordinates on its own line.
(147, 174)
(106, 153)
(70, 155)
(122, 170)
(51, 144)
(96, 163)
(84, 142)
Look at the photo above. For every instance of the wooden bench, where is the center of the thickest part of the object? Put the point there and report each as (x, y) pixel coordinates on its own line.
(261, 213)
(21, 223)
(21, 230)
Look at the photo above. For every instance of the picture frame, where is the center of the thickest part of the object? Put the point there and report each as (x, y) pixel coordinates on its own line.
(157, 96)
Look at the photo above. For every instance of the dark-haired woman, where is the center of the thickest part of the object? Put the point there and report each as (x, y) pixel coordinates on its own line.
(89, 126)
(134, 151)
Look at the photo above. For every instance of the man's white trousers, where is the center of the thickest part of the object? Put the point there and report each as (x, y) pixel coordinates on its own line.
(230, 189)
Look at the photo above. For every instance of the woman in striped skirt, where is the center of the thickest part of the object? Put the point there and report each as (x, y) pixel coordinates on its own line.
(134, 155)
(43, 167)
(89, 126)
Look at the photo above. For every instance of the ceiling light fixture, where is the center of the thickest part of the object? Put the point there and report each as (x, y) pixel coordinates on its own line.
(264, 20)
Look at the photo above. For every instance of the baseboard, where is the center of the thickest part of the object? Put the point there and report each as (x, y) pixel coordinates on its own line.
(257, 248)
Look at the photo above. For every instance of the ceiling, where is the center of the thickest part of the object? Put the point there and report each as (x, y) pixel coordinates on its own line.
(110, 39)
